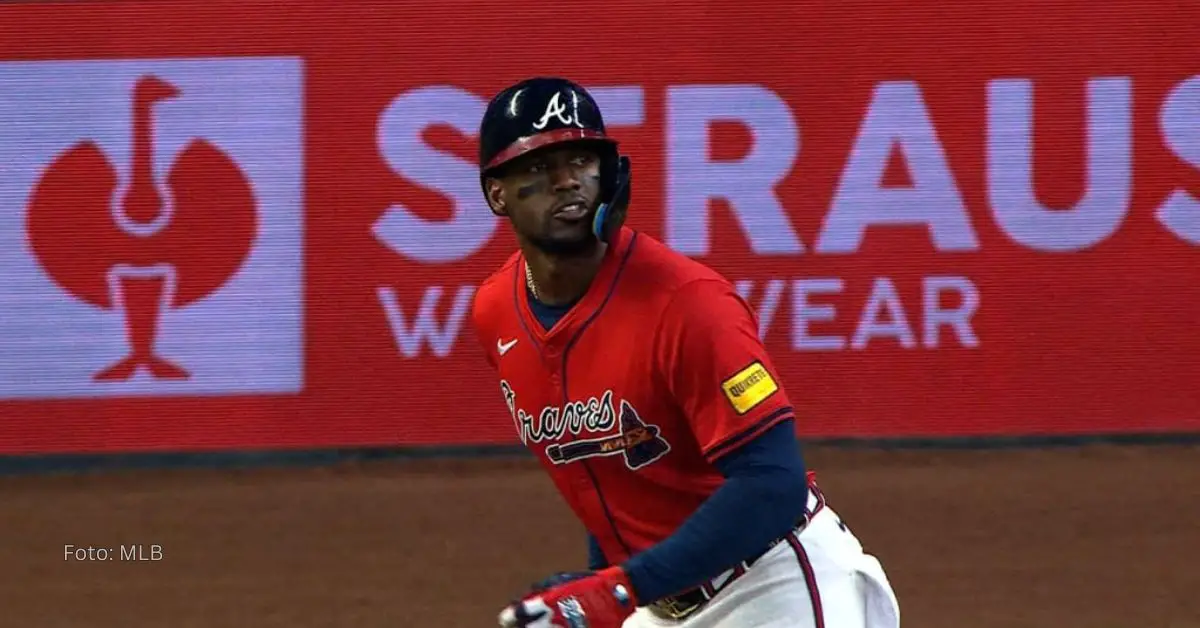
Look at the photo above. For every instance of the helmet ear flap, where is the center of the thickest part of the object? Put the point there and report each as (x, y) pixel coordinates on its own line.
(615, 179)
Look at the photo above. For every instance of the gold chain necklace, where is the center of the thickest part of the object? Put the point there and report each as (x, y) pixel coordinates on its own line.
(529, 281)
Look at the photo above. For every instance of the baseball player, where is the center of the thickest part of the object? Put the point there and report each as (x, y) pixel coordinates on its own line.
(637, 377)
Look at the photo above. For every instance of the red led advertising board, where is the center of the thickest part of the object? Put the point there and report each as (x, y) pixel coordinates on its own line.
(258, 224)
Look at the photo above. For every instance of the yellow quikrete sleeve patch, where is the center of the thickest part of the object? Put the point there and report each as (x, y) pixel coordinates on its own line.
(749, 387)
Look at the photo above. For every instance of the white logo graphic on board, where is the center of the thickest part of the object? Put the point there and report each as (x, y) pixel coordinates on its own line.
(151, 220)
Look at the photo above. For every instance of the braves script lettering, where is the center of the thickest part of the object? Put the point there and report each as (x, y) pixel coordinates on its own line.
(592, 415)
(639, 443)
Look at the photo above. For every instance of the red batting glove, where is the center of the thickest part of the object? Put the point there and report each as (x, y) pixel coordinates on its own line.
(602, 600)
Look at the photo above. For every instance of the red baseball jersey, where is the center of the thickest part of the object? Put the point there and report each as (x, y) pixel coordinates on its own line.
(657, 371)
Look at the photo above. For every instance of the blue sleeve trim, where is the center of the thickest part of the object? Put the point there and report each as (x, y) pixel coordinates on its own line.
(732, 442)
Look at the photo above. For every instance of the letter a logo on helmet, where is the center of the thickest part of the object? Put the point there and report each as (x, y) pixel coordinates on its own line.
(541, 112)
(558, 110)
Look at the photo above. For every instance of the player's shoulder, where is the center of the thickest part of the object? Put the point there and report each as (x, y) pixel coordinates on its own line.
(494, 293)
(668, 283)
(662, 268)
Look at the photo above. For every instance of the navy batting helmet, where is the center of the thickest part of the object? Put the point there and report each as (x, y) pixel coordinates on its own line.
(545, 111)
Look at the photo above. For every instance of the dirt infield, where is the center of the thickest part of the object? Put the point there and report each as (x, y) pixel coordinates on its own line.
(1097, 537)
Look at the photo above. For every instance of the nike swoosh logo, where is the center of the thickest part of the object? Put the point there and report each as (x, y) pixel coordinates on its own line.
(503, 347)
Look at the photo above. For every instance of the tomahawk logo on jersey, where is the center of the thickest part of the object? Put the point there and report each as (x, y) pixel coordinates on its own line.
(657, 371)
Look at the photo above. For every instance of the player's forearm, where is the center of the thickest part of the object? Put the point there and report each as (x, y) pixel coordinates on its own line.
(740, 519)
(763, 497)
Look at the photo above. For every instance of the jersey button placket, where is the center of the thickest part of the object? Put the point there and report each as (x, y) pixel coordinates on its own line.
(552, 359)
